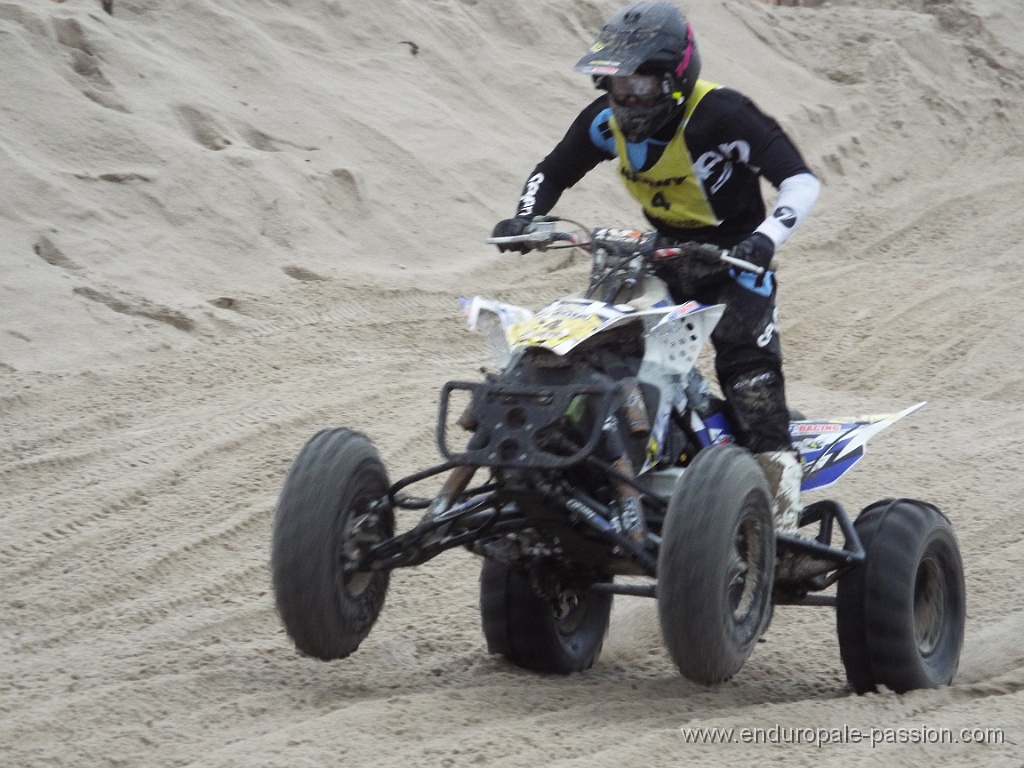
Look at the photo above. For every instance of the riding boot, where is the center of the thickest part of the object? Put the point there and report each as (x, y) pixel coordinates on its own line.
(784, 474)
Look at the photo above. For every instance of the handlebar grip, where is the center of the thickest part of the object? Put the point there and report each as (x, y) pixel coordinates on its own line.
(702, 251)
(526, 237)
(663, 254)
(535, 238)
(746, 266)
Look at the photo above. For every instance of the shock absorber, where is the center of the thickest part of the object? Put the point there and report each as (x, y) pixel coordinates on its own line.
(631, 510)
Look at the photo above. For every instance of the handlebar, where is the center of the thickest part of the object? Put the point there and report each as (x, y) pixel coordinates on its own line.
(542, 233)
(537, 238)
(723, 255)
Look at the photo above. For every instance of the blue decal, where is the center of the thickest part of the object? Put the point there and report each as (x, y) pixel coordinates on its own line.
(637, 155)
(601, 134)
(749, 281)
(827, 475)
(602, 137)
(718, 422)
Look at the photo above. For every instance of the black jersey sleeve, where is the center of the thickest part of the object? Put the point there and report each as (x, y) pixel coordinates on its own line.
(572, 158)
(772, 153)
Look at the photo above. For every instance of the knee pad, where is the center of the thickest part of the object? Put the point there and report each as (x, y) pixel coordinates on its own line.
(755, 395)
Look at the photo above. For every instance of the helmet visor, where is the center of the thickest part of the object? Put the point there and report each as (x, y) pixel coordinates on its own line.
(636, 90)
(612, 56)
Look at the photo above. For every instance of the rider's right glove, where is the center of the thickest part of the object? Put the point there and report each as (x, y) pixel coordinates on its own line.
(757, 249)
(512, 228)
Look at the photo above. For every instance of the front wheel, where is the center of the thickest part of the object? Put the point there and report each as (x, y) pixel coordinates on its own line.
(716, 564)
(325, 516)
(900, 614)
(562, 634)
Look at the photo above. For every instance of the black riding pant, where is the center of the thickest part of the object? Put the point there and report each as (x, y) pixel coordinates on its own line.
(748, 353)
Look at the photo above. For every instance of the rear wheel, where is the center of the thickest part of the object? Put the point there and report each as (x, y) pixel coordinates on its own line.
(900, 614)
(562, 634)
(325, 516)
(716, 564)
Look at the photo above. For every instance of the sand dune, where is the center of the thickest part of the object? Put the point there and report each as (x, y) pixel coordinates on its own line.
(228, 224)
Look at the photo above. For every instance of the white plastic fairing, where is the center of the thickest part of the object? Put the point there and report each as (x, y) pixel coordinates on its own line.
(489, 324)
(492, 318)
(672, 347)
(652, 294)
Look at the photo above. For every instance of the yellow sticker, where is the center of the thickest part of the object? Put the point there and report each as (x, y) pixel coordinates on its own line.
(653, 449)
(548, 330)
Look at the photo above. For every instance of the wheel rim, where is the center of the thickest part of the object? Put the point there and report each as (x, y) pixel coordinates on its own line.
(569, 612)
(743, 576)
(929, 606)
(361, 531)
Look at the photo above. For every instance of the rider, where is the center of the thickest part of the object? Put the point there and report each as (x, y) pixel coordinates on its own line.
(691, 153)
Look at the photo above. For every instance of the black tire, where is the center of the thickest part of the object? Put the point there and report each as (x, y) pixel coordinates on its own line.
(853, 649)
(900, 615)
(524, 628)
(329, 487)
(716, 565)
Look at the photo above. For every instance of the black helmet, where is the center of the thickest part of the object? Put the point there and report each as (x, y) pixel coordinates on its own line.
(645, 39)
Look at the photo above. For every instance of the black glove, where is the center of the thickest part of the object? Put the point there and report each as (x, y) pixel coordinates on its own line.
(757, 249)
(512, 228)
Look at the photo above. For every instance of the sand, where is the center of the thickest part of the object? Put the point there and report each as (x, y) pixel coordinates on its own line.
(226, 224)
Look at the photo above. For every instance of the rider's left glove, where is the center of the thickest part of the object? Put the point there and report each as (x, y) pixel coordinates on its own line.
(512, 228)
(757, 249)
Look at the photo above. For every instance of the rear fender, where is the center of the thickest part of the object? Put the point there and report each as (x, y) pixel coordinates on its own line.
(830, 448)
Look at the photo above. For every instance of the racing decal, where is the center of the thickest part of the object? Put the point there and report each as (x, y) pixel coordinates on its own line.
(715, 167)
(618, 235)
(829, 449)
(814, 429)
(683, 309)
(809, 445)
(652, 453)
(715, 430)
(631, 175)
(688, 307)
(529, 199)
(786, 216)
(552, 331)
(719, 430)
(769, 330)
(601, 133)
(831, 463)
(561, 322)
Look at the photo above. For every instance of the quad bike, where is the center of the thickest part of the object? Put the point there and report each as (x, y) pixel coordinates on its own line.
(605, 455)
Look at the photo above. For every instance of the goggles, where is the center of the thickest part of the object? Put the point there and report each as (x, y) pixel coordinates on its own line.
(637, 90)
